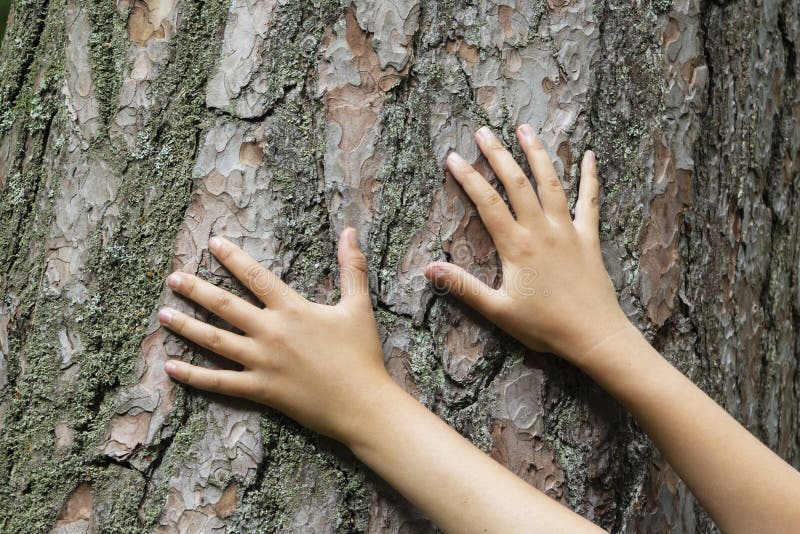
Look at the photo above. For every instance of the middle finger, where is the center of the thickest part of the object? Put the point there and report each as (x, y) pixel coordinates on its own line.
(518, 187)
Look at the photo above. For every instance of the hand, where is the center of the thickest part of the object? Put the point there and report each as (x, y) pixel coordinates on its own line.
(320, 365)
(556, 295)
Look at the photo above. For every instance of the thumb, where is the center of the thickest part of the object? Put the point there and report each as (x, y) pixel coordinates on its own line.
(352, 267)
(463, 285)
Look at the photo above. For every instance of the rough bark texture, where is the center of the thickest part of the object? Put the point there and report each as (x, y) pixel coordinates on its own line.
(132, 131)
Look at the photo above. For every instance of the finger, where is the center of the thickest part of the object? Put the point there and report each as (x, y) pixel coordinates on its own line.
(221, 303)
(215, 380)
(587, 213)
(232, 346)
(548, 185)
(487, 200)
(353, 269)
(264, 284)
(518, 187)
(460, 283)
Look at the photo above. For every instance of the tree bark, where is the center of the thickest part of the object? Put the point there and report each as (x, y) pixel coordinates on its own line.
(132, 131)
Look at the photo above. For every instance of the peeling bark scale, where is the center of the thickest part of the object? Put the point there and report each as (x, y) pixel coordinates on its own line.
(131, 131)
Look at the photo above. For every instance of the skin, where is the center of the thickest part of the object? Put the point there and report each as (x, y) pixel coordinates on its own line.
(323, 365)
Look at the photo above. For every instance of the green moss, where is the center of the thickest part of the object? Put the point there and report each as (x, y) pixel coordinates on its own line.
(19, 51)
(272, 498)
(410, 173)
(660, 6)
(120, 491)
(295, 35)
(302, 222)
(108, 46)
(621, 131)
(188, 432)
(130, 267)
(269, 500)
(33, 105)
(426, 366)
(563, 431)
(5, 6)
(32, 476)
(28, 95)
(474, 421)
(126, 267)
(352, 510)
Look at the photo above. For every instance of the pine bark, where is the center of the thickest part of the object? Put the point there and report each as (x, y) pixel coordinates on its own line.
(131, 131)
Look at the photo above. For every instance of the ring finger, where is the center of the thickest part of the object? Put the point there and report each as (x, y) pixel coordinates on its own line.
(232, 346)
(235, 310)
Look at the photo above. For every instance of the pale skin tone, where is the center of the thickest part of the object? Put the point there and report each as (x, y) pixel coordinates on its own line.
(323, 365)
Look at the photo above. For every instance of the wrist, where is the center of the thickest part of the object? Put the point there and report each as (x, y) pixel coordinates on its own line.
(596, 346)
(359, 429)
(623, 361)
(582, 343)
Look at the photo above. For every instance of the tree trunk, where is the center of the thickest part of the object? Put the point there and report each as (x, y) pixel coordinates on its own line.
(132, 131)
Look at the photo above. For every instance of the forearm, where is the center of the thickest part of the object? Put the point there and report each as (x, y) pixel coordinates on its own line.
(459, 487)
(744, 486)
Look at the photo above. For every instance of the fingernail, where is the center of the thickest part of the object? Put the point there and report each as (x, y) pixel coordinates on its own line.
(215, 244)
(455, 158)
(485, 133)
(174, 280)
(170, 367)
(590, 157)
(165, 315)
(526, 130)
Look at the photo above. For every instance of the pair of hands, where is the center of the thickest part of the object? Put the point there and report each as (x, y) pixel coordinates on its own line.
(323, 365)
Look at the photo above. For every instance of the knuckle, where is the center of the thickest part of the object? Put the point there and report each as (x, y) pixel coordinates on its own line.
(178, 323)
(519, 180)
(222, 303)
(293, 307)
(214, 339)
(553, 182)
(215, 384)
(252, 272)
(189, 284)
(256, 278)
(594, 201)
(293, 313)
(495, 146)
(225, 253)
(525, 248)
(359, 262)
(271, 336)
(492, 198)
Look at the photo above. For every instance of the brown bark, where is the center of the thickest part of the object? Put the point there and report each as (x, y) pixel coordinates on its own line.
(132, 131)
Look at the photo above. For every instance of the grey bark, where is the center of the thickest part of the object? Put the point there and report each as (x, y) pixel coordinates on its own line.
(132, 131)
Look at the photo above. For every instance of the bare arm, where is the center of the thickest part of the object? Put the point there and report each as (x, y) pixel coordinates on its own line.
(743, 485)
(448, 478)
(323, 366)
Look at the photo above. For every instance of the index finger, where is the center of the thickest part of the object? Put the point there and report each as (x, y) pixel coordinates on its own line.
(270, 289)
(491, 206)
